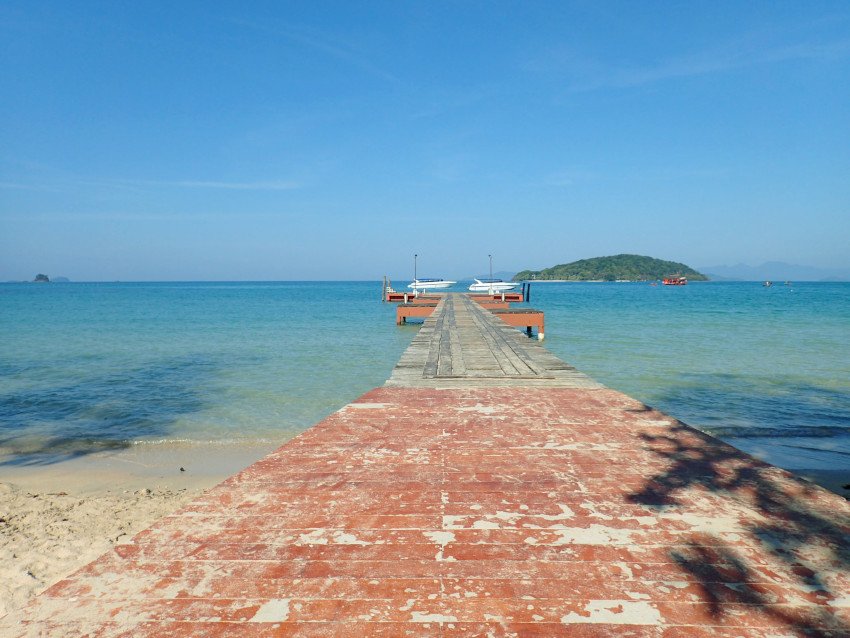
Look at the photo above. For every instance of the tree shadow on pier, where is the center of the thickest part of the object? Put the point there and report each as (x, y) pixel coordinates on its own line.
(801, 532)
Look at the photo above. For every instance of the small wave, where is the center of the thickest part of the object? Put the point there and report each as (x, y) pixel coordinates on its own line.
(753, 432)
(812, 448)
(224, 442)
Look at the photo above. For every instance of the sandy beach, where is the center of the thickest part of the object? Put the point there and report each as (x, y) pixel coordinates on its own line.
(56, 518)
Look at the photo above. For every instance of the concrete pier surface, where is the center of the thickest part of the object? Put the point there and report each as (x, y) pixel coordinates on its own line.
(486, 490)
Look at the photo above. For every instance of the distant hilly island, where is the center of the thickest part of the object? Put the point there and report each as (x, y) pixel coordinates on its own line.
(614, 268)
(640, 268)
(39, 279)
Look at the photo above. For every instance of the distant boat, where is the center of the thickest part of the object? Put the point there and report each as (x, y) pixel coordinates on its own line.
(424, 284)
(675, 281)
(767, 284)
(492, 285)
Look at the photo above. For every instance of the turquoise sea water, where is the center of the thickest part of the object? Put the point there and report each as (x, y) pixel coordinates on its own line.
(88, 367)
(766, 369)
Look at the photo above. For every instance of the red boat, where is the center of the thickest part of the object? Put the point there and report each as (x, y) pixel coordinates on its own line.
(675, 281)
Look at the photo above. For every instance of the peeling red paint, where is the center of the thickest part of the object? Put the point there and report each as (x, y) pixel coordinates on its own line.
(552, 513)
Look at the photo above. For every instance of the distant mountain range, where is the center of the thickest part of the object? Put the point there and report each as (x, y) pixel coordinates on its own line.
(775, 270)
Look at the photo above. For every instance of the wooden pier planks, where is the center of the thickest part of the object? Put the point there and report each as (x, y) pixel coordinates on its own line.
(439, 506)
(463, 345)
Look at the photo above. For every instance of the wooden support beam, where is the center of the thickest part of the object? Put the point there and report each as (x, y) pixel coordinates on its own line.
(405, 310)
(519, 317)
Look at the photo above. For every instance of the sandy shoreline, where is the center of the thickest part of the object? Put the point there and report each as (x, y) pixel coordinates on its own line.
(56, 518)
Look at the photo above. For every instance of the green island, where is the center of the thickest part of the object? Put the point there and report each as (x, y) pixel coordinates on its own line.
(614, 268)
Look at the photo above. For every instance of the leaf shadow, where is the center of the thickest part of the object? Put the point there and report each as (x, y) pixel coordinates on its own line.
(800, 529)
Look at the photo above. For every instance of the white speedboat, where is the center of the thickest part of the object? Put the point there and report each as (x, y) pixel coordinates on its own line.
(492, 285)
(425, 284)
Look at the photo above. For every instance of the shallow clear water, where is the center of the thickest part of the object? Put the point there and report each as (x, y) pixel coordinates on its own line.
(764, 368)
(91, 366)
(87, 367)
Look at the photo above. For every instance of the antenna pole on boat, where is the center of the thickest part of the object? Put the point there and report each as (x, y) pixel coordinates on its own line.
(491, 274)
(415, 276)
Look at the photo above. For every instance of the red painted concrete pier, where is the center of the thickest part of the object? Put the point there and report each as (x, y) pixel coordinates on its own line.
(488, 489)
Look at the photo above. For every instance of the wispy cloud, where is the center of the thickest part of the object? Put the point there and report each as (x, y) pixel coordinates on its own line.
(569, 177)
(585, 74)
(719, 60)
(73, 216)
(454, 168)
(324, 44)
(13, 186)
(85, 216)
(437, 102)
(572, 177)
(138, 184)
(244, 186)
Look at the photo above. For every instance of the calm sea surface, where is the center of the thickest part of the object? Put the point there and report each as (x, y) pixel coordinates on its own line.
(89, 367)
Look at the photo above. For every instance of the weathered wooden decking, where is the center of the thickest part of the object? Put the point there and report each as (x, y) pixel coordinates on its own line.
(463, 346)
(486, 490)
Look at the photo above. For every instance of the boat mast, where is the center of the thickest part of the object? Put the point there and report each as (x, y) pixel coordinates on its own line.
(415, 277)
(491, 274)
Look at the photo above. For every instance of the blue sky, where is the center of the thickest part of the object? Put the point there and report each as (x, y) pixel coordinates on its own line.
(333, 140)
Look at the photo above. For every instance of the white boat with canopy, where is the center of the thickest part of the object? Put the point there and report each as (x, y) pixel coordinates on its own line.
(492, 285)
(421, 285)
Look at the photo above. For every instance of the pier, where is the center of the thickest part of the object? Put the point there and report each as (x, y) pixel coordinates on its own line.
(487, 489)
(468, 345)
(498, 304)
